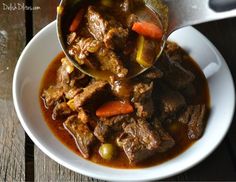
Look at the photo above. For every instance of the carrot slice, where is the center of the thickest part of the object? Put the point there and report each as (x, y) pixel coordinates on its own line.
(148, 29)
(113, 108)
(76, 21)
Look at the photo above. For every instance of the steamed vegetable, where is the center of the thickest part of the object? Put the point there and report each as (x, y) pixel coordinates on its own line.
(107, 151)
(113, 108)
(148, 30)
(140, 47)
(76, 21)
(71, 104)
(146, 51)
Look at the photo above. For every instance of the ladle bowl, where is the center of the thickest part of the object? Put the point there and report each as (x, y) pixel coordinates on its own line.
(68, 8)
(174, 14)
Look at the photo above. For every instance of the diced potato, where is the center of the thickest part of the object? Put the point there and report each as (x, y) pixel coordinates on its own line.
(69, 69)
(59, 9)
(71, 104)
(68, 64)
(146, 51)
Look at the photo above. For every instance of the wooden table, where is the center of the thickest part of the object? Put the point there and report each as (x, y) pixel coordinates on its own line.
(21, 160)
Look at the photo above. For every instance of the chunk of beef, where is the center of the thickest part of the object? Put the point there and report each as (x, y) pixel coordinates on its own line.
(139, 140)
(75, 84)
(179, 77)
(90, 93)
(101, 131)
(116, 38)
(116, 121)
(174, 74)
(171, 103)
(142, 91)
(196, 124)
(106, 29)
(131, 19)
(84, 138)
(110, 61)
(74, 87)
(145, 109)
(52, 95)
(194, 116)
(121, 89)
(143, 131)
(189, 91)
(136, 151)
(175, 52)
(142, 99)
(70, 93)
(185, 116)
(97, 25)
(84, 46)
(128, 6)
(71, 37)
(83, 115)
(61, 110)
(79, 79)
(64, 71)
(69, 83)
(86, 117)
(152, 74)
(107, 126)
(167, 141)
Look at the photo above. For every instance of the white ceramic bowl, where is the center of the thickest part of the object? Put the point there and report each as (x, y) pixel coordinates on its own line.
(44, 47)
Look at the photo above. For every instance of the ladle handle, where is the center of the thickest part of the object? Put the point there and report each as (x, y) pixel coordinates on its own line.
(222, 5)
(191, 12)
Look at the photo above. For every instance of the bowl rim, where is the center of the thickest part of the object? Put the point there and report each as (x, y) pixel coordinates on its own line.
(108, 177)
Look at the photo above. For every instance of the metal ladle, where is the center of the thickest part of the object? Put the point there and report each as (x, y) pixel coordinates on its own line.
(174, 14)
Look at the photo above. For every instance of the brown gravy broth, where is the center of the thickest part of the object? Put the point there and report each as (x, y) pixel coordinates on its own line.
(176, 129)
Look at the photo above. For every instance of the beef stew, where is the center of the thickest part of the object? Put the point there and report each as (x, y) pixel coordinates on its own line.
(132, 123)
